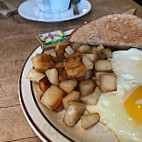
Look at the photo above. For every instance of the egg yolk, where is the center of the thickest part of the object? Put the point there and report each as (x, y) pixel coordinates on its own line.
(133, 105)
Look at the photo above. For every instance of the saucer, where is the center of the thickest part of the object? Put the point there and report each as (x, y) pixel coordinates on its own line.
(29, 10)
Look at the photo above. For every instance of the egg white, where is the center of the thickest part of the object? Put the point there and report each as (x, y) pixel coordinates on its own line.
(111, 105)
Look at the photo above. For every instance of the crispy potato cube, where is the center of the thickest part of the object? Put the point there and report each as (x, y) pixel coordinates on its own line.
(59, 65)
(93, 98)
(98, 74)
(107, 83)
(88, 74)
(94, 51)
(37, 89)
(52, 98)
(89, 120)
(74, 67)
(60, 48)
(76, 54)
(68, 85)
(42, 62)
(75, 46)
(88, 64)
(83, 48)
(73, 96)
(103, 65)
(53, 56)
(73, 113)
(69, 50)
(92, 57)
(63, 76)
(108, 52)
(35, 76)
(52, 76)
(87, 87)
(44, 84)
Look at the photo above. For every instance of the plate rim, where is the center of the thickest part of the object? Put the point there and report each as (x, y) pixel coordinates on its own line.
(52, 21)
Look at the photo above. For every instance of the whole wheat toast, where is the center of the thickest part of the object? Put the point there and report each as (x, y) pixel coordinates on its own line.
(119, 30)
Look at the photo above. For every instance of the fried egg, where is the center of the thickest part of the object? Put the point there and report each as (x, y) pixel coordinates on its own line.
(121, 111)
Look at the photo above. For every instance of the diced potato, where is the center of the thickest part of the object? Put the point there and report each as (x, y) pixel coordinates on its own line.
(37, 89)
(108, 52)
(75, 46)
(88, 74)
(69, 50)
(52, 98)
(52, 76)
(100, 52)
(93, 98)
(53, 56)
(88, 64)
(60, 49)
(87, 87)
(92, 57)
(42, 62)
(98, 74)
(89, 120)
(83, 48)
(76, 54)
(59, 65)
(44, 84)
(107, 83)
(73, 96)
(73, 113)
(74, 67)
(35, 76)
(66, 55)
(103, 65)
(94, 51)
(68, 85)
(63, 76)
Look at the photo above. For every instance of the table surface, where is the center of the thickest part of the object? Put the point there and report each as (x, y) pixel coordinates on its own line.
(17, 41)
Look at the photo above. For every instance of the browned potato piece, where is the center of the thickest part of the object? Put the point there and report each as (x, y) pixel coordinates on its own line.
(93, 98)
(89, 120)
(100, 52)
(76, 54)
(94, 51)
(92, 57)
(59, 108)
(107, 83)
(88, 64)
(53, 56)
(63, 76)
(88, 74)
(74, 67)
(35, 76)
(59, 65)
(42, 62)
(87, 87)
(75, 46)
(98, 74)
(73, 113)
(37, 89)
(73, 96)
(60, 49)
(108, 52)
(52, 75)
(44, 84)
(103, 65)
(68, 85)
(52, 97)
(69, 50)
(83, 48)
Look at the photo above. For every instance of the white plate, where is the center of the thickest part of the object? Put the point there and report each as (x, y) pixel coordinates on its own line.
(49, 125)
(29, 10)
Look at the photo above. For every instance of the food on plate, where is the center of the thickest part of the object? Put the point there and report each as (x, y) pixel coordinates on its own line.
(93, 78)
(52, 97)
(120, 31)
(73, 113)
(89, 120)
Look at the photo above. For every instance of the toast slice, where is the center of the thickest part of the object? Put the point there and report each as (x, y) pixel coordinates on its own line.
(118, 30)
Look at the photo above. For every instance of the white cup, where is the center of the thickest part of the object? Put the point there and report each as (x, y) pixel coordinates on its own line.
(53, 6)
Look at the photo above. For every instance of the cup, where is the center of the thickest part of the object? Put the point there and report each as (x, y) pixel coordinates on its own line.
(53, 6)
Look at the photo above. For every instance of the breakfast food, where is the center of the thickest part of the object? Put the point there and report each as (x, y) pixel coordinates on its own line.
(119, 30)
(95, 83)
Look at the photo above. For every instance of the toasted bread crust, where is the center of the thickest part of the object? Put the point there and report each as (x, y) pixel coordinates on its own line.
(119, 30)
